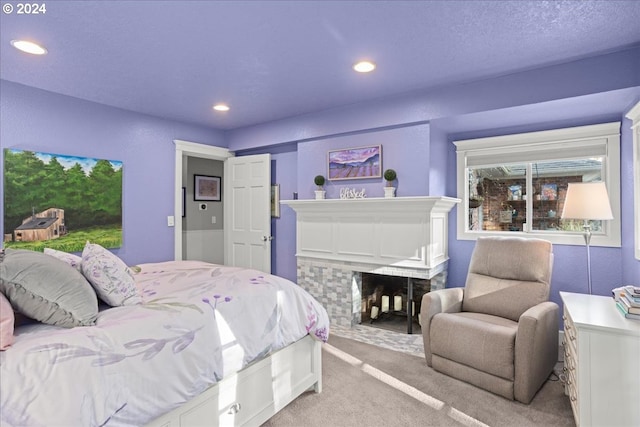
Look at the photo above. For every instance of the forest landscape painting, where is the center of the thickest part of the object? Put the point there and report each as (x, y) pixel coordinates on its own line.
(59, 201)
(354, 163)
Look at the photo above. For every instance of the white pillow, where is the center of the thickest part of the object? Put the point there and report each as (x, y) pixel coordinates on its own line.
(73, 260)
(109, 276)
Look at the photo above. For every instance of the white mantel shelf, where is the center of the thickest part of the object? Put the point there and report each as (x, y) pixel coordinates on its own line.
(395, 204)
(398, 232)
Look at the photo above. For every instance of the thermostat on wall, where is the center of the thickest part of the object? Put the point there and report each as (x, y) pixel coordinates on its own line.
(203, 206)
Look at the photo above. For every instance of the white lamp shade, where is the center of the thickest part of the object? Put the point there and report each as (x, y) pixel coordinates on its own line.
(587, 200)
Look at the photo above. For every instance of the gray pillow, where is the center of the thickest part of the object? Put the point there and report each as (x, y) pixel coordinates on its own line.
(47, 289)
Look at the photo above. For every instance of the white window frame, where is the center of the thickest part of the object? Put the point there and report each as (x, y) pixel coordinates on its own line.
(634, 116)
(579, 140)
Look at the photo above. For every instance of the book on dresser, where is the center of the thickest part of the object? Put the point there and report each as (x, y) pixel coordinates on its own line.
(634, 307)
(624, 309)
(633, 293)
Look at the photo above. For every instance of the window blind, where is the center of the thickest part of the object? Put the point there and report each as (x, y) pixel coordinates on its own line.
(536, 153)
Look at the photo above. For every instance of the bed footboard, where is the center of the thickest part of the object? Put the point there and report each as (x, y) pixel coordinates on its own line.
(253, 395)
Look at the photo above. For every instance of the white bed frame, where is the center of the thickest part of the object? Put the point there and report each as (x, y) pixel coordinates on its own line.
(253, 395)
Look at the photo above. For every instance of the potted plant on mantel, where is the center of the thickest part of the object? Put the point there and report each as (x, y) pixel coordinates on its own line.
(319, 181)
(389, 176)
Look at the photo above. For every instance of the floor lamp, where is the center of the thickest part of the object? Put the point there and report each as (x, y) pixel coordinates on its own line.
(587, 201)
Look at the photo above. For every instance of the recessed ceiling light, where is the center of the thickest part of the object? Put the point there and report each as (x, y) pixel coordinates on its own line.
(364, 66)
(221, 107)
(28, 47)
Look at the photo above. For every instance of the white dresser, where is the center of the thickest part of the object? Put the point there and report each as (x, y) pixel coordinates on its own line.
(602, 361)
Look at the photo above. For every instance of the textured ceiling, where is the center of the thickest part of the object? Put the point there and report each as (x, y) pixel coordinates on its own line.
(275, 59)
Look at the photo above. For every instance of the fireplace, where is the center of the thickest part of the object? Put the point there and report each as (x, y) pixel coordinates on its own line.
(338, 287)
(392, 302)
(338, 241)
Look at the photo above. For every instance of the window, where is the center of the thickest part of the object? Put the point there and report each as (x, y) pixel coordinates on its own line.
(517, 183)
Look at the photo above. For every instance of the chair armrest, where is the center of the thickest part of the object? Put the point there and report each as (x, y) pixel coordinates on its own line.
(536, 349)
(441, 301)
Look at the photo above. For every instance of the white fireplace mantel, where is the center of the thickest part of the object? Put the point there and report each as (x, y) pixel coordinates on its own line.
(399, 232)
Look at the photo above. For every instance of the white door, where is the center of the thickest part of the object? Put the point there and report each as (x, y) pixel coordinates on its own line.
(247, 211)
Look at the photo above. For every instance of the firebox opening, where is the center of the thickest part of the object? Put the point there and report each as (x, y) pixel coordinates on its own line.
(385, 300)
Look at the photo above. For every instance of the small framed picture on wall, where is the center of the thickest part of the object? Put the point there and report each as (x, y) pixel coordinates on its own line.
(275, 201)
(206, 188)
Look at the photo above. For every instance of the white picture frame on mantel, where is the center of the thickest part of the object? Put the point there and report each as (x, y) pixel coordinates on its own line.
(634, 116)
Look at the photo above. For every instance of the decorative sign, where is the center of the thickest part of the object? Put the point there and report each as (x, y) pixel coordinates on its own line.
(352, 193)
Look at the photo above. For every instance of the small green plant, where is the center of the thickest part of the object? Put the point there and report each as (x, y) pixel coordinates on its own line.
(319, 180)
(390, 176)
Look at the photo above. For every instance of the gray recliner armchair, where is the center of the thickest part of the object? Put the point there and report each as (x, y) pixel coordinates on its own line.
(499, 332)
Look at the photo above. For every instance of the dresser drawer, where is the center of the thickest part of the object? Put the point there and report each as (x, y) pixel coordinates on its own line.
(571, 364)
(242, 401)
(570, 334)
(601, 348)
(571, 389)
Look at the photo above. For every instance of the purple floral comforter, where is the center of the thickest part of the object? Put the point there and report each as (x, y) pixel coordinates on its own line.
(198, 323)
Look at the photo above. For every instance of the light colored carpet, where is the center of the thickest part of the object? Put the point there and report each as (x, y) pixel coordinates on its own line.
(365, 385)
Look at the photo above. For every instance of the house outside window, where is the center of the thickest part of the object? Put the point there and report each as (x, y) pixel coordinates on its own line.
(516, 184)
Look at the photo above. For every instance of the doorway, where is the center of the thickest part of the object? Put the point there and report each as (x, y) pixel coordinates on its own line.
(203, 214)
(188, 150)
(247, 209)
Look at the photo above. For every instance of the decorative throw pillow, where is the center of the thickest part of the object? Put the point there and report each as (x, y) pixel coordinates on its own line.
(109, 276)
(71, 259)
(46, 289)
(6, 323)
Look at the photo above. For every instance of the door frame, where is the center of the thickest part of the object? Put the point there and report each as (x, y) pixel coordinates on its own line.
(189, 149)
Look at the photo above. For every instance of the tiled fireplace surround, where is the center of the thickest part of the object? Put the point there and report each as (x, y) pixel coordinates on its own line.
(338, 285)
(338, 240)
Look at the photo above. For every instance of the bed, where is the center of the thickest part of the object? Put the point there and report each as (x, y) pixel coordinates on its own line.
(207, 345)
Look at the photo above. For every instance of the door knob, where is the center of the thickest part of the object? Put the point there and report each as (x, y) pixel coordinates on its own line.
(267, 238)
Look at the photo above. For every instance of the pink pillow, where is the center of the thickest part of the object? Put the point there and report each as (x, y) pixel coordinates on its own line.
(6, 323)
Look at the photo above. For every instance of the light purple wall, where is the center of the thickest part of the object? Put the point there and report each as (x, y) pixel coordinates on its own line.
(404, 149)
(294, 166)
(36, 120)
(440, 183)
(586, 91)
(283, 248)
(589, 91)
